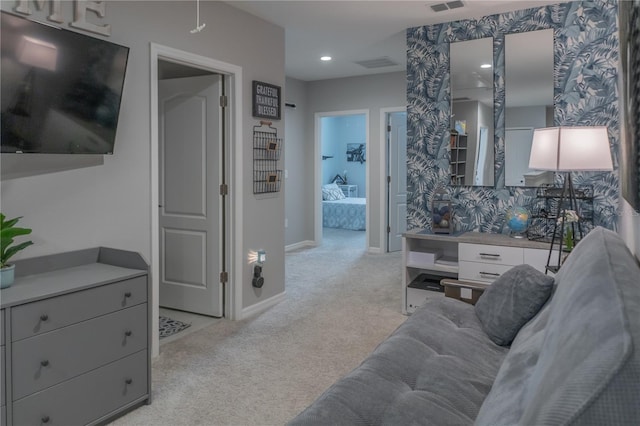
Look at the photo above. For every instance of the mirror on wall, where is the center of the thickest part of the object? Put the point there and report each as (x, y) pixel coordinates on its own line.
(472, 142)
(528, 102)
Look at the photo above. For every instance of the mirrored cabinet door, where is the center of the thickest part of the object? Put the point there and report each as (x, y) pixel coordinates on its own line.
(472, 122)
(528, 102)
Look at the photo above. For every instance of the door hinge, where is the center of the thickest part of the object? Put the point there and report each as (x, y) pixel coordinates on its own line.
(224, 101)
(224, 277)
(388, 229)
(224, 189)
(388, 128)
(388, 179)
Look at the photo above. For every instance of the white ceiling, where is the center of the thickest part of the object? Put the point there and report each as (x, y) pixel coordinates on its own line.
(352, 31)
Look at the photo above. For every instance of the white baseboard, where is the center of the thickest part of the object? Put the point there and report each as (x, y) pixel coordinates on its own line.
(301, 244)
(375, 250)
(262, 306)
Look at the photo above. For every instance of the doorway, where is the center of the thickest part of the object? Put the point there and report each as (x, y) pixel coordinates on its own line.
(341, 147)
(230, 257)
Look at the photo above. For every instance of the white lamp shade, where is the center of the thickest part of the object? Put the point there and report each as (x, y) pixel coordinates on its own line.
(571, 149)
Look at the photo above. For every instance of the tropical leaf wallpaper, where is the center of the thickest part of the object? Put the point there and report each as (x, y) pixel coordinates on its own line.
(586, 49)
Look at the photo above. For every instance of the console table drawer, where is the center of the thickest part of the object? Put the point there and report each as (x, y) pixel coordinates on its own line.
(490, 254)
(88, 397)
(483, 272)
(51, 358)
(39, 317)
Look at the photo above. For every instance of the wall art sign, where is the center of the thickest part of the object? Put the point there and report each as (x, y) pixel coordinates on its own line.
(266, 100)
(79, 16)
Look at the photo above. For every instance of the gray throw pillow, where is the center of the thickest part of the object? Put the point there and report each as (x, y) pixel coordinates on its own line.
(511, 301)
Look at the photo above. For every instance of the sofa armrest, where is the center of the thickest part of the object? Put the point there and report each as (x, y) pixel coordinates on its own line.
(465, 291)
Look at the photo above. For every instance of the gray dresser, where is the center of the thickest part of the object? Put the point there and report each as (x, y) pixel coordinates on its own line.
(75, 338)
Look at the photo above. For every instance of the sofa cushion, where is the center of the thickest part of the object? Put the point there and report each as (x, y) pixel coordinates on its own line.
(575, 362)
(511, 301)
(436, 368)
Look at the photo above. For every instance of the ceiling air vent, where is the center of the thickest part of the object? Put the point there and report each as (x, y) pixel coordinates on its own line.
(377, 63)
(441, 7)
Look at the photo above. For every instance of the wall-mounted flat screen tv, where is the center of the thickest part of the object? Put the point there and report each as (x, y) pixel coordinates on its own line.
(61, 90)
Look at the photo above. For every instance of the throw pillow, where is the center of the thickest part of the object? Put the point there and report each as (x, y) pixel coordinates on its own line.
(332, 192)
(511, 301)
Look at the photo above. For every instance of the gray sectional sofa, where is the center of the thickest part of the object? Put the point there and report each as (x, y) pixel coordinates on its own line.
(576, 361)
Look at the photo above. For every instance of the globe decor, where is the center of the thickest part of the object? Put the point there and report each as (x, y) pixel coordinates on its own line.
(518, 219)
(441, 212)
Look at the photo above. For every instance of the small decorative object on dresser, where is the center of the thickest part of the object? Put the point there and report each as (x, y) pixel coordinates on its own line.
(441, 212)
(517, 219)
(8, 231)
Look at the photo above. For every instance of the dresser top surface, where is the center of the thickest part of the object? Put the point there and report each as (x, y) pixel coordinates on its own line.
(478, 238)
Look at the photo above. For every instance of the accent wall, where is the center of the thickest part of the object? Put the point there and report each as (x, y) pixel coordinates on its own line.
(585, 94)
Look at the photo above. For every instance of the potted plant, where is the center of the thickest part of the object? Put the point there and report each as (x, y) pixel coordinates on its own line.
(8, 231)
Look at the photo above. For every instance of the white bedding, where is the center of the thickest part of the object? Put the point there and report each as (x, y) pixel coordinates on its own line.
(348, 213)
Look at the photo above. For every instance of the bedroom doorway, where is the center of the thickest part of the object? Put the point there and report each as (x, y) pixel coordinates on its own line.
(342, 173)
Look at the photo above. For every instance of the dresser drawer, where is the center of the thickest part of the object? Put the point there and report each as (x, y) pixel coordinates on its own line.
(88, 397)
(50, 358)
(482, 272)
(39, 317)
(490, 254)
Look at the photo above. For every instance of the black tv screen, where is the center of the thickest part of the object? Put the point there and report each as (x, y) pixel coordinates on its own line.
(61, 90)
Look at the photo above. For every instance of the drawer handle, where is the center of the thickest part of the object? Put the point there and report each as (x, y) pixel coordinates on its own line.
(489, 255)
(44, 317)
(128, 381)
(44, 363)
(45, 419)
(127, 294)
(128, 333)
(492, 274)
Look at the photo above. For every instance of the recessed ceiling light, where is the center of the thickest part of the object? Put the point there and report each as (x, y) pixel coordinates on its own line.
(325, 58)
(485, 66)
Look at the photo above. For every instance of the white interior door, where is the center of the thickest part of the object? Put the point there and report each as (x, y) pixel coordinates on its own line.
(190, 147)
(397, 143)
(517, 150)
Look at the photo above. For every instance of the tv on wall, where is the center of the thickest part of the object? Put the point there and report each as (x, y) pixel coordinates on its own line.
(60, 90)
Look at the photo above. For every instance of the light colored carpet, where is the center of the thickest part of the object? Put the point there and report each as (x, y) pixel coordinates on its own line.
(341, 302)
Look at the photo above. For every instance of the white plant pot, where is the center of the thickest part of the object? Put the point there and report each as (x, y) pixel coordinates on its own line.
(7, 276)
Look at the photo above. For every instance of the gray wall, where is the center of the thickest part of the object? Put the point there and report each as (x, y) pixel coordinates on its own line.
(371, 92)
(298, 145)
(110, 204)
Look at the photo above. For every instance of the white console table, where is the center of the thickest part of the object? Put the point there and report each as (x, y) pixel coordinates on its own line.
(350, 191)
(471, 256)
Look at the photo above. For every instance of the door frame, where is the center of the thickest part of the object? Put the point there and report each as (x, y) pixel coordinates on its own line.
(384, 165)
(317, 165)
(232, 75)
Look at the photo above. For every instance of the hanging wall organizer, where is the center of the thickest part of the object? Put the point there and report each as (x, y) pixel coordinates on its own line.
(266, 154)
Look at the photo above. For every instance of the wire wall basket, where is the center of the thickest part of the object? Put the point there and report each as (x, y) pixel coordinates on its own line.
(267, 147)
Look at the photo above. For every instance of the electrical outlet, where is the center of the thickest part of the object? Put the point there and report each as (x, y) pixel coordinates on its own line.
(286, 223)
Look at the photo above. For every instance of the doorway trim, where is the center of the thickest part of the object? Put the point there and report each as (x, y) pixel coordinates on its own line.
(384, 167)
(317, 165)
(233, 75)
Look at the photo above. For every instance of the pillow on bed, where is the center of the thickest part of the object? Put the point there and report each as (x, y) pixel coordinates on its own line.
(331, 192)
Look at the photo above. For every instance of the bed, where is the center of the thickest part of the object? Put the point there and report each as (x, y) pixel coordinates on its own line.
(347, 213)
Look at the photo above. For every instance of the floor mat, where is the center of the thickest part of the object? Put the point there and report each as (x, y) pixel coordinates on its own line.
(170, 326)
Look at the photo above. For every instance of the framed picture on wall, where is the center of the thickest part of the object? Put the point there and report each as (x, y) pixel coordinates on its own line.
(356, 152)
